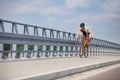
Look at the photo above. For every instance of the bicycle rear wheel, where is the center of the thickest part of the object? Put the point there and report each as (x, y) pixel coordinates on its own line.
(84, 49)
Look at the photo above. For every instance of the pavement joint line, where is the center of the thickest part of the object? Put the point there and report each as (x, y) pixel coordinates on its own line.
(62, 73)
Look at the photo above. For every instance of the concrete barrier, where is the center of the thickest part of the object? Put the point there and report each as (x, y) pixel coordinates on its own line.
(58, 74)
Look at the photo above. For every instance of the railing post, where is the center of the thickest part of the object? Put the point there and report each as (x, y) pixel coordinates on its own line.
(13, 48)
(97, 47)
(1, 26)
(44, 34)
(58, 35)
(71, 51)
(14, 27)
(58, 50)
(74, 37)
(36, 31)
(35, 50)
(47, 51)
(64, 35)
(66, 51)
(90, 50)
(61, 51)
(69, 36)
(1, 49)
(25, 50)
(51, 34)
(26, 29)
(94, 45)
(55, 48)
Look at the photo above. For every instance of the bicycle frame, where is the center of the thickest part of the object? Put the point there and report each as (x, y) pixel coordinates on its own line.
(84, 48)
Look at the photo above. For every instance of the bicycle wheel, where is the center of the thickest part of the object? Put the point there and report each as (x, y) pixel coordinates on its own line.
(86, 53)
(83, 48)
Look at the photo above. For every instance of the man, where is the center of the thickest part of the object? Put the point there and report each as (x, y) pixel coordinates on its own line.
(86, 33)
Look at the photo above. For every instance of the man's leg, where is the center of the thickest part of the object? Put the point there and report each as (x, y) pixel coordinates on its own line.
(89, 39)
(82, 49)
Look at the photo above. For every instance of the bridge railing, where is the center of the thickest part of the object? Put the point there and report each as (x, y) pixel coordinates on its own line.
(22, 41)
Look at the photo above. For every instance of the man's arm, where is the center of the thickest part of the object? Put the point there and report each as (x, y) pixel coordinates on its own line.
(87, 31)
(78, 33)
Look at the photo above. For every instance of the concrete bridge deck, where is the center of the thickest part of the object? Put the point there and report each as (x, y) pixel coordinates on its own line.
(52, 68)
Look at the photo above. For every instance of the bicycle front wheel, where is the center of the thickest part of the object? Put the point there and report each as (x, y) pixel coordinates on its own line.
(86, 53)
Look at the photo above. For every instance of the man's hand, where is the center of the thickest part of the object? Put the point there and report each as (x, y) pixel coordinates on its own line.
(78, 38)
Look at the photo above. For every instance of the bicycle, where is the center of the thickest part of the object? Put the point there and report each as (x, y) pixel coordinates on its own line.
(84, 48)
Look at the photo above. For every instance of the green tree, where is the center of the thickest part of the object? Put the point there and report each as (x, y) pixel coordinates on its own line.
(55, 48)
(6, 48)
(61, 48)
(19, 49)
(30, 48)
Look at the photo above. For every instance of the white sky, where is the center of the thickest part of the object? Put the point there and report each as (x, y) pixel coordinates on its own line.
(102, 17)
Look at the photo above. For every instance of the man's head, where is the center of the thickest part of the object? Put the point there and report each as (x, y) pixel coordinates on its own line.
(82, 25)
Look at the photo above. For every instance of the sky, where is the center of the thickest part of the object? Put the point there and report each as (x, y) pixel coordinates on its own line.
(102, 17)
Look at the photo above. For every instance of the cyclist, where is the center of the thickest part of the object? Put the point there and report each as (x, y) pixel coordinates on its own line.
(86, 33)
(85, 37)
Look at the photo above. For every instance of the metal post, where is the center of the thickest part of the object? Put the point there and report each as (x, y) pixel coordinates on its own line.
(14, 27)
(35, 50)
(26, 29)
(1, 49)
(36, 31)
(58, 35)
(13, 48)
(74, 37)
(25, 50)
(69, 36)
(43, 53)
(52, 52)
(44, 32)
(51, 34)
(1, 26)
(64, 35)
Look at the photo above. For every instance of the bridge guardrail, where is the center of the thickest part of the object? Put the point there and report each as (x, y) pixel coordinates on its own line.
(18, 40)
